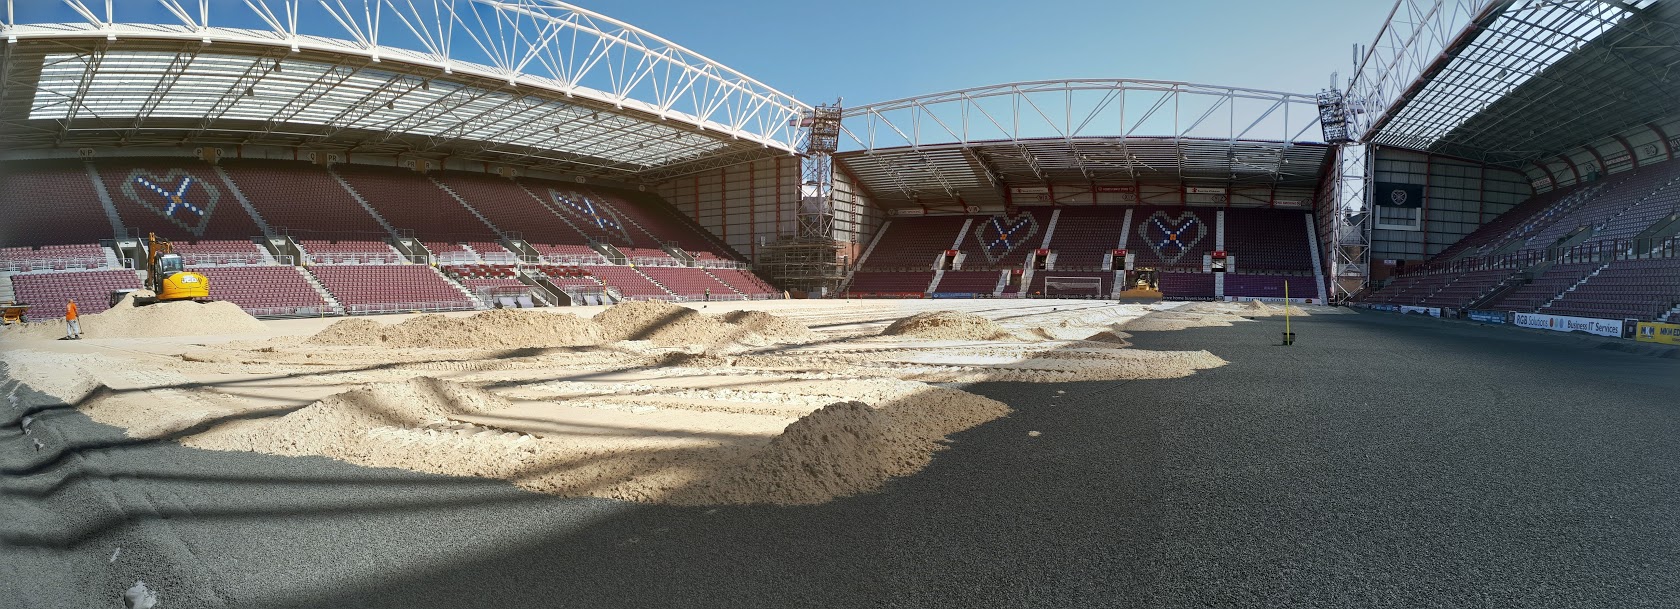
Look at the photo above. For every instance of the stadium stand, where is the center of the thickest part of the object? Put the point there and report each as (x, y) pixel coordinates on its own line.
(691, 283)
(1267, 240)
(266, 291)
(48, 293)
(389, 288)
(971, 282)
(1041, 281)
(179, 199)
(1545, 287)
(1626, 289)
(1240, 285)
(913, 243)
(889, 283)
(1186, 286)
(658, 220)
(1001, 242)
(349, 252)
(745, 282)
(1172, 238)
(1084, 235)
(219, 252)
(632, 284)
(410, 202)
(302, 200)
(50, 203)
(507, 205)
(53, 257)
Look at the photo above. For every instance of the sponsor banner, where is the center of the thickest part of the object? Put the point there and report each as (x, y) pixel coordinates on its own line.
(1430, 311)
(1394, 194)
(1203, 190)
(1122, 189)
(1288, 203)
(1488, 317)
(955, 295)
(908, 212)
(1652, 332)
(1269, 299)
(1560, 323)
(1029, 190)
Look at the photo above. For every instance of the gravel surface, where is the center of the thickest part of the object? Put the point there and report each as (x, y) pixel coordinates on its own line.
(1454, 466)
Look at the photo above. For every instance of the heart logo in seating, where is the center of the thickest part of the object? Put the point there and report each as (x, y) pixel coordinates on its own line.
(590, 212)
(999, 235)
(168, 196)
(1170, 238)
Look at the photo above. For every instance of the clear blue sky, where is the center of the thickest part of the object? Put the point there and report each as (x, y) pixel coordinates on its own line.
(876, 50)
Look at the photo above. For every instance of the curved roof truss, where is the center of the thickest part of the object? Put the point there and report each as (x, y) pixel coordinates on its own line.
(549, 49)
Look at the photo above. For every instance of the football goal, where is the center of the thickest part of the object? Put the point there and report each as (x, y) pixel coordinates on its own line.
(1073, 287)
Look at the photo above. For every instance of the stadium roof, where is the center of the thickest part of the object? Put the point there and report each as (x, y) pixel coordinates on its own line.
(974, 144)
(1512, 81)
(523, 82)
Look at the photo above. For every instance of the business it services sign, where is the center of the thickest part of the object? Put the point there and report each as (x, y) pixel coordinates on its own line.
(1560, 323)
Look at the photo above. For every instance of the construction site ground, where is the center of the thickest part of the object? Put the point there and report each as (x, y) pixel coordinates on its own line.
(1000, 453)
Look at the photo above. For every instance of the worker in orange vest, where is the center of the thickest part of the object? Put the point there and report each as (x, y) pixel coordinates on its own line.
(72, 322)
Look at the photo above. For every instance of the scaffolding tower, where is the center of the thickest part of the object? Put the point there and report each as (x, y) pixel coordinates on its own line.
(809, 259)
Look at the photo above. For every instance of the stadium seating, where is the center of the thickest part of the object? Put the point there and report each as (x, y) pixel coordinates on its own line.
(510, 207)
(745, 282)
(588, 214)
(974, 282)
(1004, 241)
(1239, 285)
(658, 220)
(302, 200)
(875, 282)
(410, 202)
(349, 252)
(570, 253)
(688, 282)
(567, 277)
(1186, 286)
(219, 252)
(1084, 235)
(145, 196)
(1636, 289)
(53, 257)
(272, 291)
(1172, 237)
(1267, 240)
(50, 203)
(47, 294)
(1548, 285)
(630, 283)
(913, 243)
(387, 288)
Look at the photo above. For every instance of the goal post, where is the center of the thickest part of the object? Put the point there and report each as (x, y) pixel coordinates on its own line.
(1073, 287)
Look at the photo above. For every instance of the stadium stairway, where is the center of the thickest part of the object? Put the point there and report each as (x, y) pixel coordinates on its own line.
(360, 200)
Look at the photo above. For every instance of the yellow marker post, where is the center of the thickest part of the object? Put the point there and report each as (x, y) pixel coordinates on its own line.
(1288, 335)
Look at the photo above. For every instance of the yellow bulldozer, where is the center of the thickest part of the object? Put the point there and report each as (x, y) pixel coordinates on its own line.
(168, 278)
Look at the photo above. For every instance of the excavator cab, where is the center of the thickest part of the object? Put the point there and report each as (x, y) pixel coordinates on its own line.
(167, 276)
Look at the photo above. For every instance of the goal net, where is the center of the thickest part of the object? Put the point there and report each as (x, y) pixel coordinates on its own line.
(1073, 287)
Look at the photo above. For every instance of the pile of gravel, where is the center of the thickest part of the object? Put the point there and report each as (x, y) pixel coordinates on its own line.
(948, 325)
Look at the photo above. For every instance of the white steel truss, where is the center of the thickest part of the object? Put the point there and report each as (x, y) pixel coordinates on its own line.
(552, 60)
(1438, 64)
(1084, 108)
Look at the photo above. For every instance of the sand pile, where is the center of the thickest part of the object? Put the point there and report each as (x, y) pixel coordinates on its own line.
(846, 448)
(948, 325)
(359, 426)
(495, 329)
(668, 324)
(1167, 321)
(162, 319)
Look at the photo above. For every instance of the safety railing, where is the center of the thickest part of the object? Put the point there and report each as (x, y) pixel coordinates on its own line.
(53, 264)
(283, 312)
(408, 307)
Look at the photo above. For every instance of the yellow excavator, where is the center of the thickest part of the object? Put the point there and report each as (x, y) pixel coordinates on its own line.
(167, 277)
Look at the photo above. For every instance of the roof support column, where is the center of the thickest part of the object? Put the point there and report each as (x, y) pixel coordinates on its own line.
(1572, 168)
(1603, 169)
(1662, 136)
(1549, 177)
(1633, 160)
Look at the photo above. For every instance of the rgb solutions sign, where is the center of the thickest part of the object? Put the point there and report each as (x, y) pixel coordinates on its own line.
(1560, 323)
